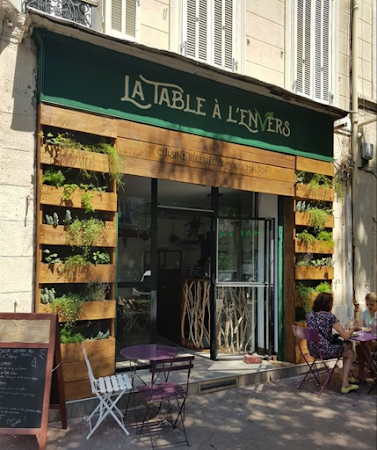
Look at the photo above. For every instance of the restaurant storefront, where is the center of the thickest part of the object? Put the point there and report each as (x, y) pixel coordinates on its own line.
(204, 216)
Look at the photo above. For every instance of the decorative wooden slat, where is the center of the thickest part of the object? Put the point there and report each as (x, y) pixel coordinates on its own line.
(102, 201)
(315, 166)
(184, 141)
(103, 273)
(304, 192)
(91, 310)
(314, 273)
(77, 159)
(315, 247)
(151, 169)
(303, 218)
(170, 157)
(70, 119)
(58, 236)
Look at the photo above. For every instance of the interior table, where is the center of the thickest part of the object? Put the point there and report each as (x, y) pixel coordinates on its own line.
(363, 337)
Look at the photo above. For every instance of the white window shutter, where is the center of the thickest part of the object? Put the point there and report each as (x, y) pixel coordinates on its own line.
(190, 20)
(121, 18)
(223, 33)
(313, 48)
(321, 62)
(202, 35)
(208, 31)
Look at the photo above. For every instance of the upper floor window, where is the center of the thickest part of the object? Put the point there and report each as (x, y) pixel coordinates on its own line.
(313, 20)
(121, 18)
(208, 31)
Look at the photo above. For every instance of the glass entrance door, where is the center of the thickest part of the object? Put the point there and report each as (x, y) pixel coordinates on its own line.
(244, 286)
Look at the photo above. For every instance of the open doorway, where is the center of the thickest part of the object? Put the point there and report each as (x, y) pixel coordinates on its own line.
(196, 267)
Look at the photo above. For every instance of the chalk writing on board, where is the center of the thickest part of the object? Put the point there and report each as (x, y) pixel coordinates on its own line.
(22, 380)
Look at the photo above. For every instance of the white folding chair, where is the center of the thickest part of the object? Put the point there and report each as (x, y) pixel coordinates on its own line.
(109, 391)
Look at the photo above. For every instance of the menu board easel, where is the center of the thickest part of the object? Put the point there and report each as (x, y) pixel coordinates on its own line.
(29, 348)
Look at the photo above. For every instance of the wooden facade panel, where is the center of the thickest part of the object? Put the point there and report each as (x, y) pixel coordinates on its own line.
(91, 310)
(189, 142)
(103, 201)
(314, 166)
(151, 169)
(288, 279)
(77, 159)
(70, 119)
(102, 273)
(304, 192)
(173, 156)
(58, 236)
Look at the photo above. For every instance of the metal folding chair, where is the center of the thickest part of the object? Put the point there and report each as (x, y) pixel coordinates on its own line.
(317, 366)
(130, 315)
(166, 399)
(109, 391)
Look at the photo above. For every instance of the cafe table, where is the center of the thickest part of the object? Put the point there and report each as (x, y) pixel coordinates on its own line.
(363, 337)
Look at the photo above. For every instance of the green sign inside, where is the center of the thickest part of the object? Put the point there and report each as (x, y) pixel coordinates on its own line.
(90, 78)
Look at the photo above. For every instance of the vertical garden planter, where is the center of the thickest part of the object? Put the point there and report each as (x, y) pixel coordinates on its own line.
(50, 200)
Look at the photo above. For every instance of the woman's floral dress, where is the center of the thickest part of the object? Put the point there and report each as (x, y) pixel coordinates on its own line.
(323, 322)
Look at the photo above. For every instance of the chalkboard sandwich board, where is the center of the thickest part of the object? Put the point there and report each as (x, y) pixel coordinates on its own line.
(27, 353)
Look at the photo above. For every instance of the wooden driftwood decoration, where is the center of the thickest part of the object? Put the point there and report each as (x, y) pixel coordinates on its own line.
(195, 316)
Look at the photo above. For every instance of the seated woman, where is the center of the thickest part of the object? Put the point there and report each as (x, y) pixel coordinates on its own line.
(322, 320)
(366, 322)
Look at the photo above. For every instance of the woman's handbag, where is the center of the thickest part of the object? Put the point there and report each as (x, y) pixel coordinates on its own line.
(336, 340)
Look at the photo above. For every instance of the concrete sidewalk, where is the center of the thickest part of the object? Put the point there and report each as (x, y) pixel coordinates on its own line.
(265, 416)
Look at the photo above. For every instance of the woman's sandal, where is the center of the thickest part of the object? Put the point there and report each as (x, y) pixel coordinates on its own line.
(353, 380)
(349, 388)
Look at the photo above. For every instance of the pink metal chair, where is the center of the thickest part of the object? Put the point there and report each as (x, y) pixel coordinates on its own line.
(168, 396)
(317, 366)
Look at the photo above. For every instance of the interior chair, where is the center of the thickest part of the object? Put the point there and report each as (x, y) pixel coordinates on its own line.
(318, 368)
(166, 396)
(109, 391)
(130, 314)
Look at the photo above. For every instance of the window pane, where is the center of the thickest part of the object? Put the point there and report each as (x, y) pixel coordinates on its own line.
(134, 228)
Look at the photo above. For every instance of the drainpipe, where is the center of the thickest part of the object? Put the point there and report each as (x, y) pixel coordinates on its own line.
(351, 193)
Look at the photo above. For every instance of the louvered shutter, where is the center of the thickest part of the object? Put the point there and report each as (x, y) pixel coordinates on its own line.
(321, 61)
(313, 48)
(121, 18)
(209, 31)
(303, 39)
(223, 33)
(191, 29)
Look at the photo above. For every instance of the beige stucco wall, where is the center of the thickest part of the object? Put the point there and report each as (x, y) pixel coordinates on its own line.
(17, 143)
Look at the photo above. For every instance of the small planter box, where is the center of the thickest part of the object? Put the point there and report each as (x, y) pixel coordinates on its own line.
(102, 201)
(314, 273)
(304, 192)
(101, 354)
(78, 159)
(316, 247)
(101, 273)
(101, 309)
(58, 236)
(303, 218)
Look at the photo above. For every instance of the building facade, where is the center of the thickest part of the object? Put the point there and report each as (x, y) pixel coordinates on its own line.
(219, 109)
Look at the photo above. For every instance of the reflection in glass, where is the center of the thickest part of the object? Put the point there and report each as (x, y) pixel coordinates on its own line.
(134, 229)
